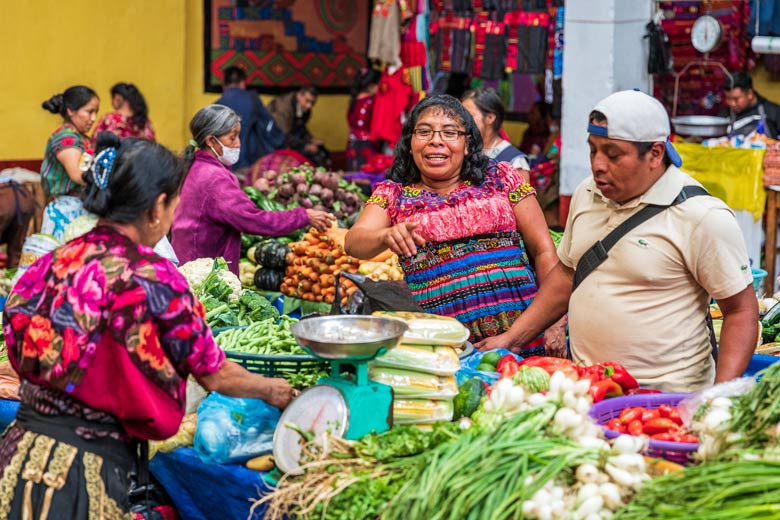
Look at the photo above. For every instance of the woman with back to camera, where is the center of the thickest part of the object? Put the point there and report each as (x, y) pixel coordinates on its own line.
(460, 223)
(61, 176)
(131, 115)
(214, 210)
(487, 109)
(103, 333)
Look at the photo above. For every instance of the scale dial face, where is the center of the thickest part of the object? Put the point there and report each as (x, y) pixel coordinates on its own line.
(319, 409)
(706, 33)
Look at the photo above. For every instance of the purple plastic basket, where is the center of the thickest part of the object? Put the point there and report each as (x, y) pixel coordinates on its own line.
(679, 452)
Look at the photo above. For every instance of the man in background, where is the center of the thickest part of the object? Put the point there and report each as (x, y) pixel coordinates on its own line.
(292, 112)
(749, 110)
(259, 133)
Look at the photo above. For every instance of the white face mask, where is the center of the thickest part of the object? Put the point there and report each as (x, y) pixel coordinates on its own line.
(229, 155)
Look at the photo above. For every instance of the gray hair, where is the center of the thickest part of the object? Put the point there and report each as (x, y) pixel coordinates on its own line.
(216, 120)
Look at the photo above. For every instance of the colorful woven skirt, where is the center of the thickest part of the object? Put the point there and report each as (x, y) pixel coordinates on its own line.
(485, 282)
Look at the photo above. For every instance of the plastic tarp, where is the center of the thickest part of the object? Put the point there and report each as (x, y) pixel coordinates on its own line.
(734, 175)
(203, 491)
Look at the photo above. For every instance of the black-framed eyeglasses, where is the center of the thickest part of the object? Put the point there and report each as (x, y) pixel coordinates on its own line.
(426, 134)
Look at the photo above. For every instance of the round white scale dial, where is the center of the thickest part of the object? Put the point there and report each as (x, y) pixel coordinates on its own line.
(706, 33)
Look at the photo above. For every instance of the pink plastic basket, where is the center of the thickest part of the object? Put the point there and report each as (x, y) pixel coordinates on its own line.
(679, 452)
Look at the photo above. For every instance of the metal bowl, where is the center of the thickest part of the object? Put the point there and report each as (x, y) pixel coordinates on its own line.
(701, 126)
(341, 337)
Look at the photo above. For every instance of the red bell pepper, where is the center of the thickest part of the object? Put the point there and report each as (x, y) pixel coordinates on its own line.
(549, 364)
(507, 366)
(594, 373)
(603, 389)
(621, 376)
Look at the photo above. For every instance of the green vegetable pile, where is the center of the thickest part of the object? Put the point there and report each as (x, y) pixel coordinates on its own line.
(262, 337)
(271, 337)
(723, 490)
(356, 479)
(477, 473)
(224, 309)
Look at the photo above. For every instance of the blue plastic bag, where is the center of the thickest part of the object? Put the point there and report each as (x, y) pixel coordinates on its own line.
(234, 429)
(468, 367)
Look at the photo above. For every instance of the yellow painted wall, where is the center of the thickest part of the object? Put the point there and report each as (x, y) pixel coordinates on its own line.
(49, 45)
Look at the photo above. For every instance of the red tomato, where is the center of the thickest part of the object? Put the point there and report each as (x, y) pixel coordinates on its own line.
(631, 414)
(674, 414)
(687, 437)
(662, 436)
(649, 415)
(659, 425)
(665, 410)
(635, 427)
(614, 425)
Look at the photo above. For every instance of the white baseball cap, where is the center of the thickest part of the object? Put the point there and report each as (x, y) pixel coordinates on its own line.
(634, 116)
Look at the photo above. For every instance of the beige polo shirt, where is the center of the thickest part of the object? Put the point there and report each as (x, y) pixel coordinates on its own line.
(645, 305)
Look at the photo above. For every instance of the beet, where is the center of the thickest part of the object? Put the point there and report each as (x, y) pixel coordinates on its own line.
(286, 190)
(270, 175)
(331, 181)
(315, 189)
(302, 188)
(320, 207)
(326, 196)
(306, 203)
(298, 178)
(319, 177)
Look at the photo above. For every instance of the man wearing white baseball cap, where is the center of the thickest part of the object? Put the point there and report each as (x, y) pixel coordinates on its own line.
(645, 248)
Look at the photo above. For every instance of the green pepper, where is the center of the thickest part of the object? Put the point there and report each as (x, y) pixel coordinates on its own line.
(253, 193)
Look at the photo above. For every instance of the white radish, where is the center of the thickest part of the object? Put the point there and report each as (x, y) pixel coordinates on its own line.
(620, 476)
(592, 505)
(611, 495)
(628, 444)
(567, 419)
(587, 473)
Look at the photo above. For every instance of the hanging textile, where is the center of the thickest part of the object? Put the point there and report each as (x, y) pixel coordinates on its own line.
(394, 97)
(489, 48)
(384, 43)
(532, 39)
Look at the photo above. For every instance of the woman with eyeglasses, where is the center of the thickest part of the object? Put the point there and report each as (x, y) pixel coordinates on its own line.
(460, 223)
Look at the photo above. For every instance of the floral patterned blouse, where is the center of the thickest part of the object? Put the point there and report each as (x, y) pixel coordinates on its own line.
(111, 324)
(121, 125)
(466, 211)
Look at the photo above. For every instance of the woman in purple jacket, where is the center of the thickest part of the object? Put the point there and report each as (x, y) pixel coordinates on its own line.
(214, 211)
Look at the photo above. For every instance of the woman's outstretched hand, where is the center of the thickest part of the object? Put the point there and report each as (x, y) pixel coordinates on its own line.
(320, 220)
(402, 239)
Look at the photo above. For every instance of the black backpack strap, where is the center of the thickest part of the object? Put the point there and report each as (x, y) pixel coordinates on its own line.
(598, 252)
(508, 154)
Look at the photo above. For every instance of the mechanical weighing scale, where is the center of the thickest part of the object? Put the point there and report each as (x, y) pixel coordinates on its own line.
(348, 407)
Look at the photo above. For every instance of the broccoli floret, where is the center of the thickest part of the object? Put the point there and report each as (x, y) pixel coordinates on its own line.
(255, 307)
